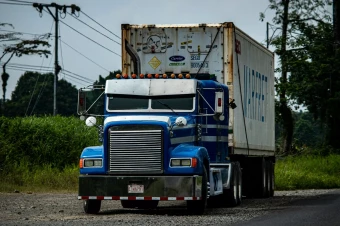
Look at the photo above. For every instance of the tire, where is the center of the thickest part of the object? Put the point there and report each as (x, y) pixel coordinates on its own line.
(272, 178)
(92, 206)
(230, 196)
(264, 179)
(239, 184)
(198, 207)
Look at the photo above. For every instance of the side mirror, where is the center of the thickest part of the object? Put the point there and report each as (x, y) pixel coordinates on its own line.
(81, 108)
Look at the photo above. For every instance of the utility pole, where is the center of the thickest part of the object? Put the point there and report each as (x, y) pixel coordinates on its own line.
(57, 67)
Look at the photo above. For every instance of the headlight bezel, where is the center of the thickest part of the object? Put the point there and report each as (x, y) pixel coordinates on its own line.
(92, 163)
(183, 162)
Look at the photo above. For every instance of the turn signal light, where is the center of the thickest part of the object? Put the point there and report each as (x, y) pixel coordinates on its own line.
(81, 163)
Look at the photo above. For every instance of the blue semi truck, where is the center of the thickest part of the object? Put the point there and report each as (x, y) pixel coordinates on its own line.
(190, 118)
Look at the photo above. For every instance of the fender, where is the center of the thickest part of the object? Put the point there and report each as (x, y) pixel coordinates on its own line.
(189, 151)
(96, 152)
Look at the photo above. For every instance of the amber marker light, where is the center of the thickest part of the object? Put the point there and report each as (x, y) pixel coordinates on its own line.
(117, 75)
(149, 75)
(187, 76)
(173, 76)
(81, 163)
(156, 75)
(125, 76)
(180, 76)
(165, 76)
(141, 76)
(133, 76)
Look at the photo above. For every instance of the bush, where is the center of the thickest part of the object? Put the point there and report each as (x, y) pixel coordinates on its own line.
(37, 141)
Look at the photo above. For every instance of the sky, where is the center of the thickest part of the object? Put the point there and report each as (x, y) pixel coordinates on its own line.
(78, 55)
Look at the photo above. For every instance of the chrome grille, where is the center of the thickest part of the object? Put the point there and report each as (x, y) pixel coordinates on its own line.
(135, 149)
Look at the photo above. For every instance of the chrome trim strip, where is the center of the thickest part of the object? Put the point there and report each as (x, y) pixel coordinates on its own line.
(179, 140)
(213, 138)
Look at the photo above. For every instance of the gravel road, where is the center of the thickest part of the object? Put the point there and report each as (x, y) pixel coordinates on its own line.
(65, 209)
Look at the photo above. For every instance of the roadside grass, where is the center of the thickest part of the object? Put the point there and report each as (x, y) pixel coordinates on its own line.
(307, 172)
(40, 179)
(299, 172)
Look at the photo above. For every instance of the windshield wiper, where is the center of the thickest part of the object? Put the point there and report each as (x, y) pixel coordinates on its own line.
(167, 106)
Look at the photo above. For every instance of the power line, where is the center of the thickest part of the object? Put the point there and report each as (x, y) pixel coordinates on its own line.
(80, 83)
(36, 83)
(61, 51)
(79, 75)
(99, 24)
(44, 68)
(19, 1)
(94, 29)
(10, 3)
(68, 74)
(89, 38)
(84, 55)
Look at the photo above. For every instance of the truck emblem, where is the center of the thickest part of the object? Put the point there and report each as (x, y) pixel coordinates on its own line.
(177, 58)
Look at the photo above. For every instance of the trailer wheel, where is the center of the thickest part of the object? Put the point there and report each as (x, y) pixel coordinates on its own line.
(265, 178)
(272, 178)
(230, 196)
(198, 207)
(92, 206)
(239, 184)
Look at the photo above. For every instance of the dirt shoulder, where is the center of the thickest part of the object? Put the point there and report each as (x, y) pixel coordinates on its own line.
(66, 209)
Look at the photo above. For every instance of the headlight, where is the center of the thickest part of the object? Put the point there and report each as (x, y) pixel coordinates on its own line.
(187, 162)
(93, 163)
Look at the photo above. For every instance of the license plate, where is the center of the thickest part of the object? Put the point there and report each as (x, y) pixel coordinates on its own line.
(135, 188)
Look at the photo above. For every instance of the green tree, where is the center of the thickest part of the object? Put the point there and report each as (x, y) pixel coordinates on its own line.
(294, 18)
(33, 95)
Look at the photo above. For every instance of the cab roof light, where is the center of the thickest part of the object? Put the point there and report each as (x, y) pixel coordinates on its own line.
(141, 76)
(180, 76)
(187, 76)
(165, 76)
(173, 76)
(118, 76)
(133, 76)
(156, 75)
(125, 76)
(149, 75)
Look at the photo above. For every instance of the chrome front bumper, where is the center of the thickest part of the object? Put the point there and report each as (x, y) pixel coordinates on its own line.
(154, 186)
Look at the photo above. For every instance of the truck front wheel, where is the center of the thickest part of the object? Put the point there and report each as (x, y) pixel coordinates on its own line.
(92, 206)
(198, 207)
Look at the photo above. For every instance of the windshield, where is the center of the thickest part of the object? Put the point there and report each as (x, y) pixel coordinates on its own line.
(159, 103)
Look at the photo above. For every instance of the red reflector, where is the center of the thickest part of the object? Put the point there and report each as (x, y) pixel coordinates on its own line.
(219, 102)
